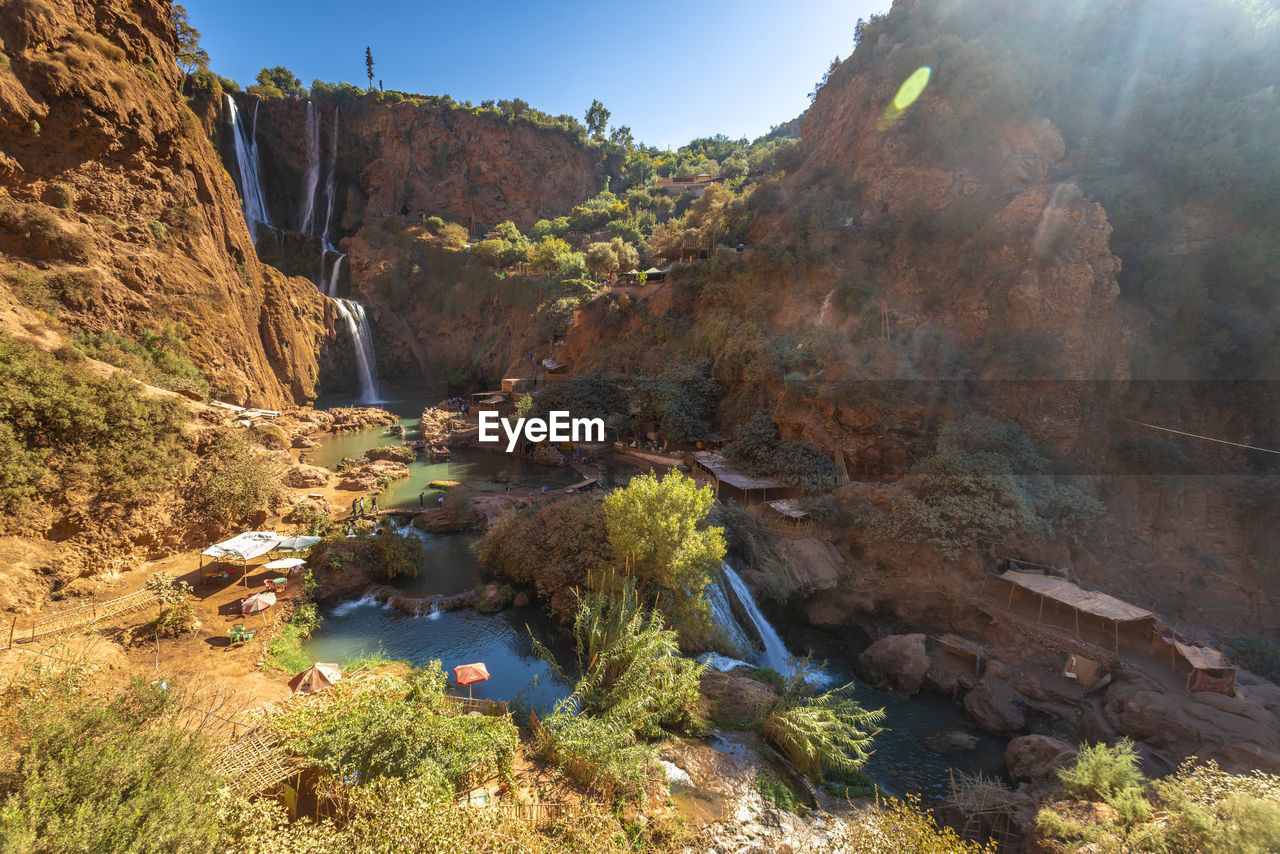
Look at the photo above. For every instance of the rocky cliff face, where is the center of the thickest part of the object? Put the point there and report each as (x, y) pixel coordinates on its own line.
(115, 213)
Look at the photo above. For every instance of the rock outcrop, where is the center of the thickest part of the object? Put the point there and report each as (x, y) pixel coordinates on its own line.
(116, 214)
(898, 663)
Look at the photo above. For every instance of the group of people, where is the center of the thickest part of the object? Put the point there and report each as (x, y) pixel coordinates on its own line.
(357, 505)
(422, 499)
(460, 404)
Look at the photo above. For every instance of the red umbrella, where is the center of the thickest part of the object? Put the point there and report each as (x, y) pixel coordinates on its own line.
(470, 674)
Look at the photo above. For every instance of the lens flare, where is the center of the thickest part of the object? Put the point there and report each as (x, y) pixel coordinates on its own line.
(912, 88)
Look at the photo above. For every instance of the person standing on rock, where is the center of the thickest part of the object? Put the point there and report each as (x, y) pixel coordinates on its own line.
(375, 504)
(355, 506)
(422, 499)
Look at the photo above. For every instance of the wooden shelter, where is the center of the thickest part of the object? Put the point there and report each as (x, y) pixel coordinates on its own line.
(785, 517)
(1107, 609)
(733, 483)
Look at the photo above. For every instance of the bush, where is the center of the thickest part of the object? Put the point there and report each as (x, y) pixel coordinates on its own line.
(601, 754)
(776, 792)
(824, 732)
(96, 775)
(284, 652)
(1258, 655)
(63, 196)
(68, 432)
(454, 236)
(233, 482)
(387, 727)
(158, 356)
(759, 451)
(900, 826)
(396, 556)
(552, 547)
(1110, 774)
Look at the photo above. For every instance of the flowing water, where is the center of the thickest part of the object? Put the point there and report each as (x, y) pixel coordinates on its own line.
(333, 274)
(484, 471)
(310, 178)
(903, 761)
(352, 313)
(361, 627)
(330, 183)
(246, 146)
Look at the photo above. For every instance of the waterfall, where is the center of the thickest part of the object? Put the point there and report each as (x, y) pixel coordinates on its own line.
(333, 275)
(722, 615)
(246, 146)
(774, 655)
(330, 183)
(311, 178)
(353, 314)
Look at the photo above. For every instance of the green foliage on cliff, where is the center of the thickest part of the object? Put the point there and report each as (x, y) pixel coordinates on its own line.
(68, 435)
(91, 774)
(232, 482)
(985, 484)
(158, 356)
(758, 450)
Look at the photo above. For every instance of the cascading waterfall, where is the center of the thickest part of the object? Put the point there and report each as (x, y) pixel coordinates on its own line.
(353, 315)
(246, 146)
(330, 185)
(722, 615)
(311, 178)
(774, 655)
(333, 276)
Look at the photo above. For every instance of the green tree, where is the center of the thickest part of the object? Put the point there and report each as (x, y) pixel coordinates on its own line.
(827, 732)
(658, 533)
(190, 55)
(281, 79)
(597, 120)
(622, 136)
(368, 64)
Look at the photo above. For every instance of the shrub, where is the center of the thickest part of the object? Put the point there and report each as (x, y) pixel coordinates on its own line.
(1259, 655)
(435, 224)
(399, 728)
(824, 732)
(233, 481)
(552, 547)
(1210, 811)
(776, 792)
(158, 231)
(158, 356)
(1110, 774)
(67, 431)
(284, 652)
(396, 556)
(900, 826)
(89, 774)
(454, 236)
(760, 451)
(63, 196)
(601, 754)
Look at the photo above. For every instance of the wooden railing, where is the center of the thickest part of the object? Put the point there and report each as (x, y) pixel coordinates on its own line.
(491, 708)
(77, 618)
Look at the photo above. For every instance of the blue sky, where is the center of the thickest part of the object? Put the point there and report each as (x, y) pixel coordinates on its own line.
(671, 70)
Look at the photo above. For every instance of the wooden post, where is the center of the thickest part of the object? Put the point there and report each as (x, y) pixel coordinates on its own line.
(1117, 625)
(1077, 623)
(1012, 588)
(1040, 616)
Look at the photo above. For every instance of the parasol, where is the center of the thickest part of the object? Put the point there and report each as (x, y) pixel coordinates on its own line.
(257, 603)
(284, 563)
(470, 674)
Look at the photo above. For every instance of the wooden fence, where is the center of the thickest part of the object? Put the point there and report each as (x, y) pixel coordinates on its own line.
(490, 708)
(77, 618)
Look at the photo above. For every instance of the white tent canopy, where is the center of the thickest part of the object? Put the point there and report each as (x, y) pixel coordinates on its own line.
(245, 546)
(293, 544)
(284, 563)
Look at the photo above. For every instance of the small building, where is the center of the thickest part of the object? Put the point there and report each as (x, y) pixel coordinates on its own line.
(1114, 617)
(731, 483)
(695, 186)
(785, 517)
(512, 384)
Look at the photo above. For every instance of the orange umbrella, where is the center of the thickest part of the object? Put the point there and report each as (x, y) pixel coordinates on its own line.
(470, 674)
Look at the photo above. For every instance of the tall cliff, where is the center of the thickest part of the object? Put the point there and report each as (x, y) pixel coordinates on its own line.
(116, 214)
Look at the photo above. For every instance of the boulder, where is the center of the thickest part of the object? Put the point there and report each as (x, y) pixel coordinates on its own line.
(995, 706)
(302, 441)
(735, 697)
(897, 663)
(395, 453)
(1036, 758)
(549, 456)
(305, 477)
(950, 741)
